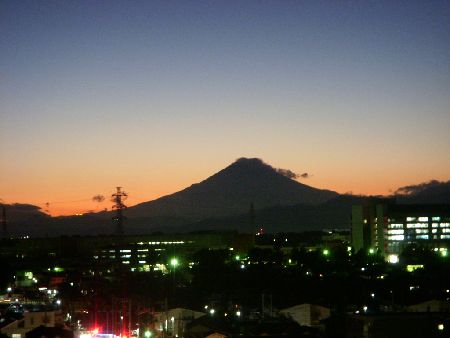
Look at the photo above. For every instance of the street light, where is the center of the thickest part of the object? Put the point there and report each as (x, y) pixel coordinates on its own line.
(174, 262)
(148, 334)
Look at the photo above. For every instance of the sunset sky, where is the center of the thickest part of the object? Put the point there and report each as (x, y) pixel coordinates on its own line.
(156, 95)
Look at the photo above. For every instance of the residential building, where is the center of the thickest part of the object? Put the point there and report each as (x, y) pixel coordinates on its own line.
(32, 320)
(306, 314)
(383, 225)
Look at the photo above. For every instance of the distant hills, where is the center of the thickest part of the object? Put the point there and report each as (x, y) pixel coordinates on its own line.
(433, 192)
(222, 202)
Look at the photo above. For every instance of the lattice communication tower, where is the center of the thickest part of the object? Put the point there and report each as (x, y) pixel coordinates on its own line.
(118, 199)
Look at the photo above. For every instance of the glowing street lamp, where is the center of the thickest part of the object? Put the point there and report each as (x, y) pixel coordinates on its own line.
(148, 334)
(174, 262)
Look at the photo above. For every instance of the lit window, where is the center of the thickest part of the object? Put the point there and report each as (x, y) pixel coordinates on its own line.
(417, 225)
(421, 231)
(396, 238)
(396, 232)
(410, 219)
(423, 219)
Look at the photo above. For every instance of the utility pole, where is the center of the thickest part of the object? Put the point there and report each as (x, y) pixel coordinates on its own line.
(252, 224)
(4, 223)
(118, 199)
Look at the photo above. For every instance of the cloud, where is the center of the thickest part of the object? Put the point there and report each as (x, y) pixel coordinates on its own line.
(287, 173)
(416, 188)
(98, 198)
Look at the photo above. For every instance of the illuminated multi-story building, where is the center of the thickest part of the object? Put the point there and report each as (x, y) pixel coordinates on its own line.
(389, 227)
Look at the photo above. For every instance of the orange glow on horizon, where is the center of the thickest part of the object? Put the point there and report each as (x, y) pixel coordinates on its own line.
(72, 193)
(80, 207)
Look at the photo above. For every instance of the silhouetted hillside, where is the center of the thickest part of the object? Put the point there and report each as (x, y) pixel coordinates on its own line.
(26, 213)
(433, 192)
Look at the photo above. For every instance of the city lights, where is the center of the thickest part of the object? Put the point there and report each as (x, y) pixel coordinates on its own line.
(393, 259)
(413, 267)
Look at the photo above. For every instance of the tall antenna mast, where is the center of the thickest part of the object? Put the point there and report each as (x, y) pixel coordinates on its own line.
(118, 199)
(4, 222)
